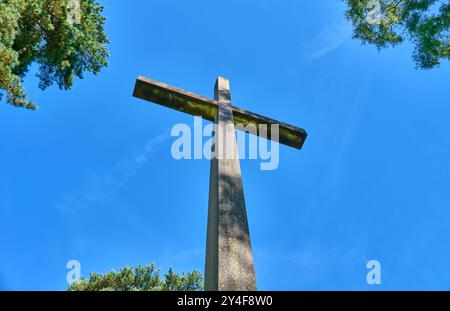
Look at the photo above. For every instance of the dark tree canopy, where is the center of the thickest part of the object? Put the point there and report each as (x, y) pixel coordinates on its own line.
(65, 37)
(425, 23)
(140, 278)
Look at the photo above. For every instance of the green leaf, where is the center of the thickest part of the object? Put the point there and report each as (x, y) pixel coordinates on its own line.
(37, 31)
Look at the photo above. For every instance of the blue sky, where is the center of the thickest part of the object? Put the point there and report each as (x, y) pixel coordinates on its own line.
(89, 176)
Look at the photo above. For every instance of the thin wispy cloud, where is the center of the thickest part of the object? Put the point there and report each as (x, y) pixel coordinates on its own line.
(100, 187)
(328, 40)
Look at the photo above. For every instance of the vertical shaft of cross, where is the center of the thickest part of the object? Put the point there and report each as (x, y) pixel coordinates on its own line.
(229, 259)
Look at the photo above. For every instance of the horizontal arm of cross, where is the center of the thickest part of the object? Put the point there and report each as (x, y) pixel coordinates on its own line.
(181, 100)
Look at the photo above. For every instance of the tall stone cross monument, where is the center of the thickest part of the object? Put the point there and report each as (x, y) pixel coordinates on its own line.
(229, 259)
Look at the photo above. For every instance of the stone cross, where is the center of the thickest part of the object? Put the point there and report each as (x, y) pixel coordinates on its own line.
(229, 260)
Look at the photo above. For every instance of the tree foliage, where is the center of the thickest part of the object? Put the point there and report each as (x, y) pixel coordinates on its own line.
(140, 278)
(64, 37)
(425, 23)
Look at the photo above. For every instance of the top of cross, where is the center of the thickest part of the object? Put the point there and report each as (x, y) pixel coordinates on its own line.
(197, 105)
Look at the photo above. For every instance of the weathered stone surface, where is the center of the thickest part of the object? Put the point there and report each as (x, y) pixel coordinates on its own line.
(197, 105)
(229, 260)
